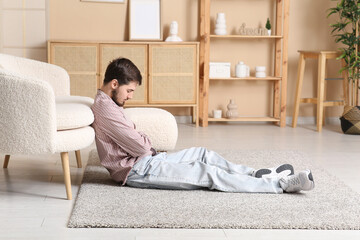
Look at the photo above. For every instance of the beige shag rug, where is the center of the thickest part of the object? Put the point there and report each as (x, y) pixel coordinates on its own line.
(103, 203)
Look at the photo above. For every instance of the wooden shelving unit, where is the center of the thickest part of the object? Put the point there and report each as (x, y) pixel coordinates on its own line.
(280, 62)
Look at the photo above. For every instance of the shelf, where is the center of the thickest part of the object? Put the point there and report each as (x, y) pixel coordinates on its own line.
(245, 119)
(278, 59)
(246, 36)
(248, 79)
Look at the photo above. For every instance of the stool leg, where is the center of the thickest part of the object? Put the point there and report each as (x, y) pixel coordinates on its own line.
(320, 95)
(324, 109)
(299, 82)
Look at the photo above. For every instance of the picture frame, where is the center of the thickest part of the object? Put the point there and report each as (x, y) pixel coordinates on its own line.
(145, 20)
(104, 1)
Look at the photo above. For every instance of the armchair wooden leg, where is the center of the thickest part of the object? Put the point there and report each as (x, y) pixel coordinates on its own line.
(66, 169)
(6, 161)
(78, 158)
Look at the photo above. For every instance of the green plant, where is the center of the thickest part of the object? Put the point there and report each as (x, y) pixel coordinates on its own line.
(346, 31)
(268, 25)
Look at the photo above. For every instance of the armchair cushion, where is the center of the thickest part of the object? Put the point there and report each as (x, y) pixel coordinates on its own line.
(73, 112)
(74, 139)
(75, 99)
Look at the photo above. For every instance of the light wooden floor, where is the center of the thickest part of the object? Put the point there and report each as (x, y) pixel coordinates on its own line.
(32, 193)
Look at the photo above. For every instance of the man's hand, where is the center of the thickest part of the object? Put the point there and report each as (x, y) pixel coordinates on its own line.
(153, 151)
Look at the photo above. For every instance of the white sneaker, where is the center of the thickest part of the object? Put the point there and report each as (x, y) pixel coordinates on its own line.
(279, 171)
(295, 183)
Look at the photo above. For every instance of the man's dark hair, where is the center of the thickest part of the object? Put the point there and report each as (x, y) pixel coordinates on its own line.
(123, 70)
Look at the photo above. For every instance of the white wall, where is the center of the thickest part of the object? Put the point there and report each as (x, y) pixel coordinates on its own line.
(24, 28)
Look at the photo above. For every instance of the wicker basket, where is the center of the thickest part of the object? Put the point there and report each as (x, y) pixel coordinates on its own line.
(350, 120)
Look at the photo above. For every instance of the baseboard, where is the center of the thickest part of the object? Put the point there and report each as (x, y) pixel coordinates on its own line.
(183, 119)
(312, 120)
(301, 120)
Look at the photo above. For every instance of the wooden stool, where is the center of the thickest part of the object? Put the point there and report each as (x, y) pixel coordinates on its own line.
(322, 56)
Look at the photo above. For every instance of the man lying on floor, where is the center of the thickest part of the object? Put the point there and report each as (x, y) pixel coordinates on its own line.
(129, 157)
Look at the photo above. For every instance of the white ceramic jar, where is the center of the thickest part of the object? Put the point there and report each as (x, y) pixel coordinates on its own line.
(217, 113)
(242, 70)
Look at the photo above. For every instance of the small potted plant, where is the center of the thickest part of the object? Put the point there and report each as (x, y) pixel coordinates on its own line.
(346, 31)
(268, 26)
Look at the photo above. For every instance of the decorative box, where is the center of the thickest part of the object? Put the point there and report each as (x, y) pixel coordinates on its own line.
(219, 70)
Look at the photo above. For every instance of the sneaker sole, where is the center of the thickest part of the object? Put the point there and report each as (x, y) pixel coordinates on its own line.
(285, 167)
(309, 177)
(262, 172)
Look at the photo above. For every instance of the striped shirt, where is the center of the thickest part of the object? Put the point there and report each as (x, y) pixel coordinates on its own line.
(118, 143)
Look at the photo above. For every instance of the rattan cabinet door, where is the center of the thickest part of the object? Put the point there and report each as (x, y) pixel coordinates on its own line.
(137, 54)
(80, 61)
(172, 74)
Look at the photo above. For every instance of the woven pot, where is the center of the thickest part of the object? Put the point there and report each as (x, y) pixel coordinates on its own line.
(350, 120)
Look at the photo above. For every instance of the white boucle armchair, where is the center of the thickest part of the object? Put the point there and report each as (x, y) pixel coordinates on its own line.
(38, 115)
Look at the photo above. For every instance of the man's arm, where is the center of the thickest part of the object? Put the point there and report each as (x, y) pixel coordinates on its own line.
(153, 150)
(123, 133)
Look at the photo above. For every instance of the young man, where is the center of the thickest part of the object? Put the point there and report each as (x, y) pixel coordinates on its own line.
(131, 160)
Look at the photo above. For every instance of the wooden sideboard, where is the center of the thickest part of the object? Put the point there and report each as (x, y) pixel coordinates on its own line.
(170, 71)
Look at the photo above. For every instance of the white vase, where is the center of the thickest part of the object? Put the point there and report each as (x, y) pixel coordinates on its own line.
(260, 71)
(260, 68)
(220, 17)
(269, 32)
(220, 31)
(232, 111)
(220, 25)
(173, 33)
